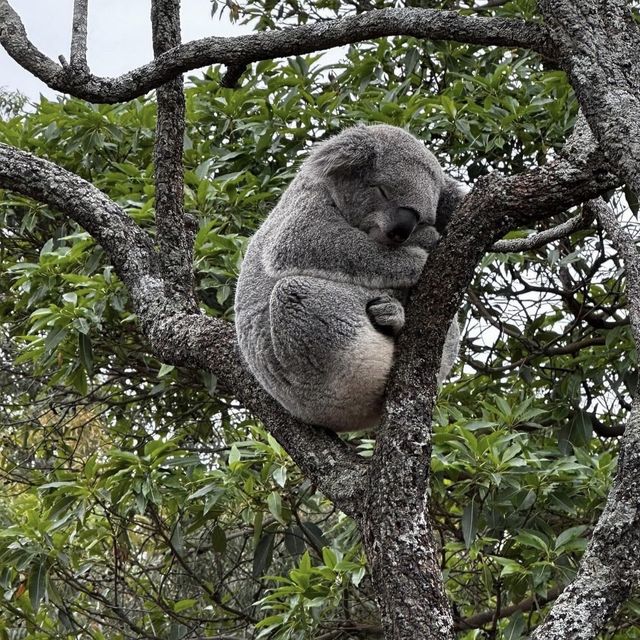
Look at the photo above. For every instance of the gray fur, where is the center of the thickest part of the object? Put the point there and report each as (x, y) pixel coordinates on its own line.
(319, 297)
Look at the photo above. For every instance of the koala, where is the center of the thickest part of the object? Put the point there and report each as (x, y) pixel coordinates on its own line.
(319, 299)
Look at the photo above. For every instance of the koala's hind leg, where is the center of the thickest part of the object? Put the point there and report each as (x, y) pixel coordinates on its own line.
(334, 362)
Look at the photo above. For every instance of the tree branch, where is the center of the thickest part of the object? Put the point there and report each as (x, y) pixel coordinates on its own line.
(241, 50)
(175, 244)
(597, 45)
(610, 567)
(528, 604)
(78, 57)
(406, 570)
(181, 338)
(537, 240)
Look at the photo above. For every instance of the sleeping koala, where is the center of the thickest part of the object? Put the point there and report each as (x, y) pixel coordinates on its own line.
(321, 290)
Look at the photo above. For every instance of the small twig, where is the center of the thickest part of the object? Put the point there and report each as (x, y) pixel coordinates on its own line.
(528, 604)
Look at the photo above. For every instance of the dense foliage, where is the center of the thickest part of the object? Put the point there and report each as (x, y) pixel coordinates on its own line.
(138, 500)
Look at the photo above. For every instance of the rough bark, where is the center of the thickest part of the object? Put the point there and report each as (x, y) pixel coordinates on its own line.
(175, 245)
(597, 44)
(78, 55)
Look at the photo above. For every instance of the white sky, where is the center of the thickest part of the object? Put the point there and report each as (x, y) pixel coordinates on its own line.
(119, 35)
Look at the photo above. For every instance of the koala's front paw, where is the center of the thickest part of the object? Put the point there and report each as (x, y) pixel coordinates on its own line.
(417, 260)
(386, 315)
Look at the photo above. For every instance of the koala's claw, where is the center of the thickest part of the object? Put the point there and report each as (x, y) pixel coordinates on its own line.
(386, 315)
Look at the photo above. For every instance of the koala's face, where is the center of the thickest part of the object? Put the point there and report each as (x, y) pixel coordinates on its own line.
(397, 202)
(384, 182)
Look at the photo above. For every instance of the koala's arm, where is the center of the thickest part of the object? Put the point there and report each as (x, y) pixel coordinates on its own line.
(321, 244)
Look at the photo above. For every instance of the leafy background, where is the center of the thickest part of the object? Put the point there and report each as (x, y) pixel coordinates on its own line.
(139, 501)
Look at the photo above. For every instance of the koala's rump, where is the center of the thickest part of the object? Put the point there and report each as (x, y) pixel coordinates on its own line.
(334, 362)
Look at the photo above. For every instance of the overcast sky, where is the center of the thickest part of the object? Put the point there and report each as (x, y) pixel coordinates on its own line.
(119, 35)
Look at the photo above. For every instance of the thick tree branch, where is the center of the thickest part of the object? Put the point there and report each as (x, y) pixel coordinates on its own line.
(597, 44)
(177, 337)
(406, 570)
(241, 50)
(610, 567)
(174, 242)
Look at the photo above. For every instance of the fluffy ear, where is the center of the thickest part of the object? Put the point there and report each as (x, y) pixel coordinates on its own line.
(452, 194)
(351, 152)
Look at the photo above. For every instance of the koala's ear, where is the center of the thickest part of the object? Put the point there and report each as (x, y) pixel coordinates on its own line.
(452, 194)
(350, 153)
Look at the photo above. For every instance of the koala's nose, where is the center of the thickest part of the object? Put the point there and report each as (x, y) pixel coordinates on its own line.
(405, 222)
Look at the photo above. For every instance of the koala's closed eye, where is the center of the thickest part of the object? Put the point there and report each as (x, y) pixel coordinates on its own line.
(382, 191)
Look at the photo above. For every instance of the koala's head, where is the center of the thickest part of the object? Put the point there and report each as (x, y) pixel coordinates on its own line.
(385, 182)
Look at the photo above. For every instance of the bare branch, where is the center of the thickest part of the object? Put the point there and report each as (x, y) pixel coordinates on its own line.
(542, 238)
(242, 50)
(79, 37)
(610, 567)
(528, 604)
(175, 245)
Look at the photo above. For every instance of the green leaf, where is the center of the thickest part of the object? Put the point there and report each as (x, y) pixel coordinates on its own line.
(469, 523)
(263, 555)
(37, 583)
(234, 456)
(182, 605)
(165, 369)
(329, 557)
(218, 539)
(294, 541)
(530, 539)
(86, 353)
(569, 535)
(274, 502)
(314, 533)
(279, 474)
